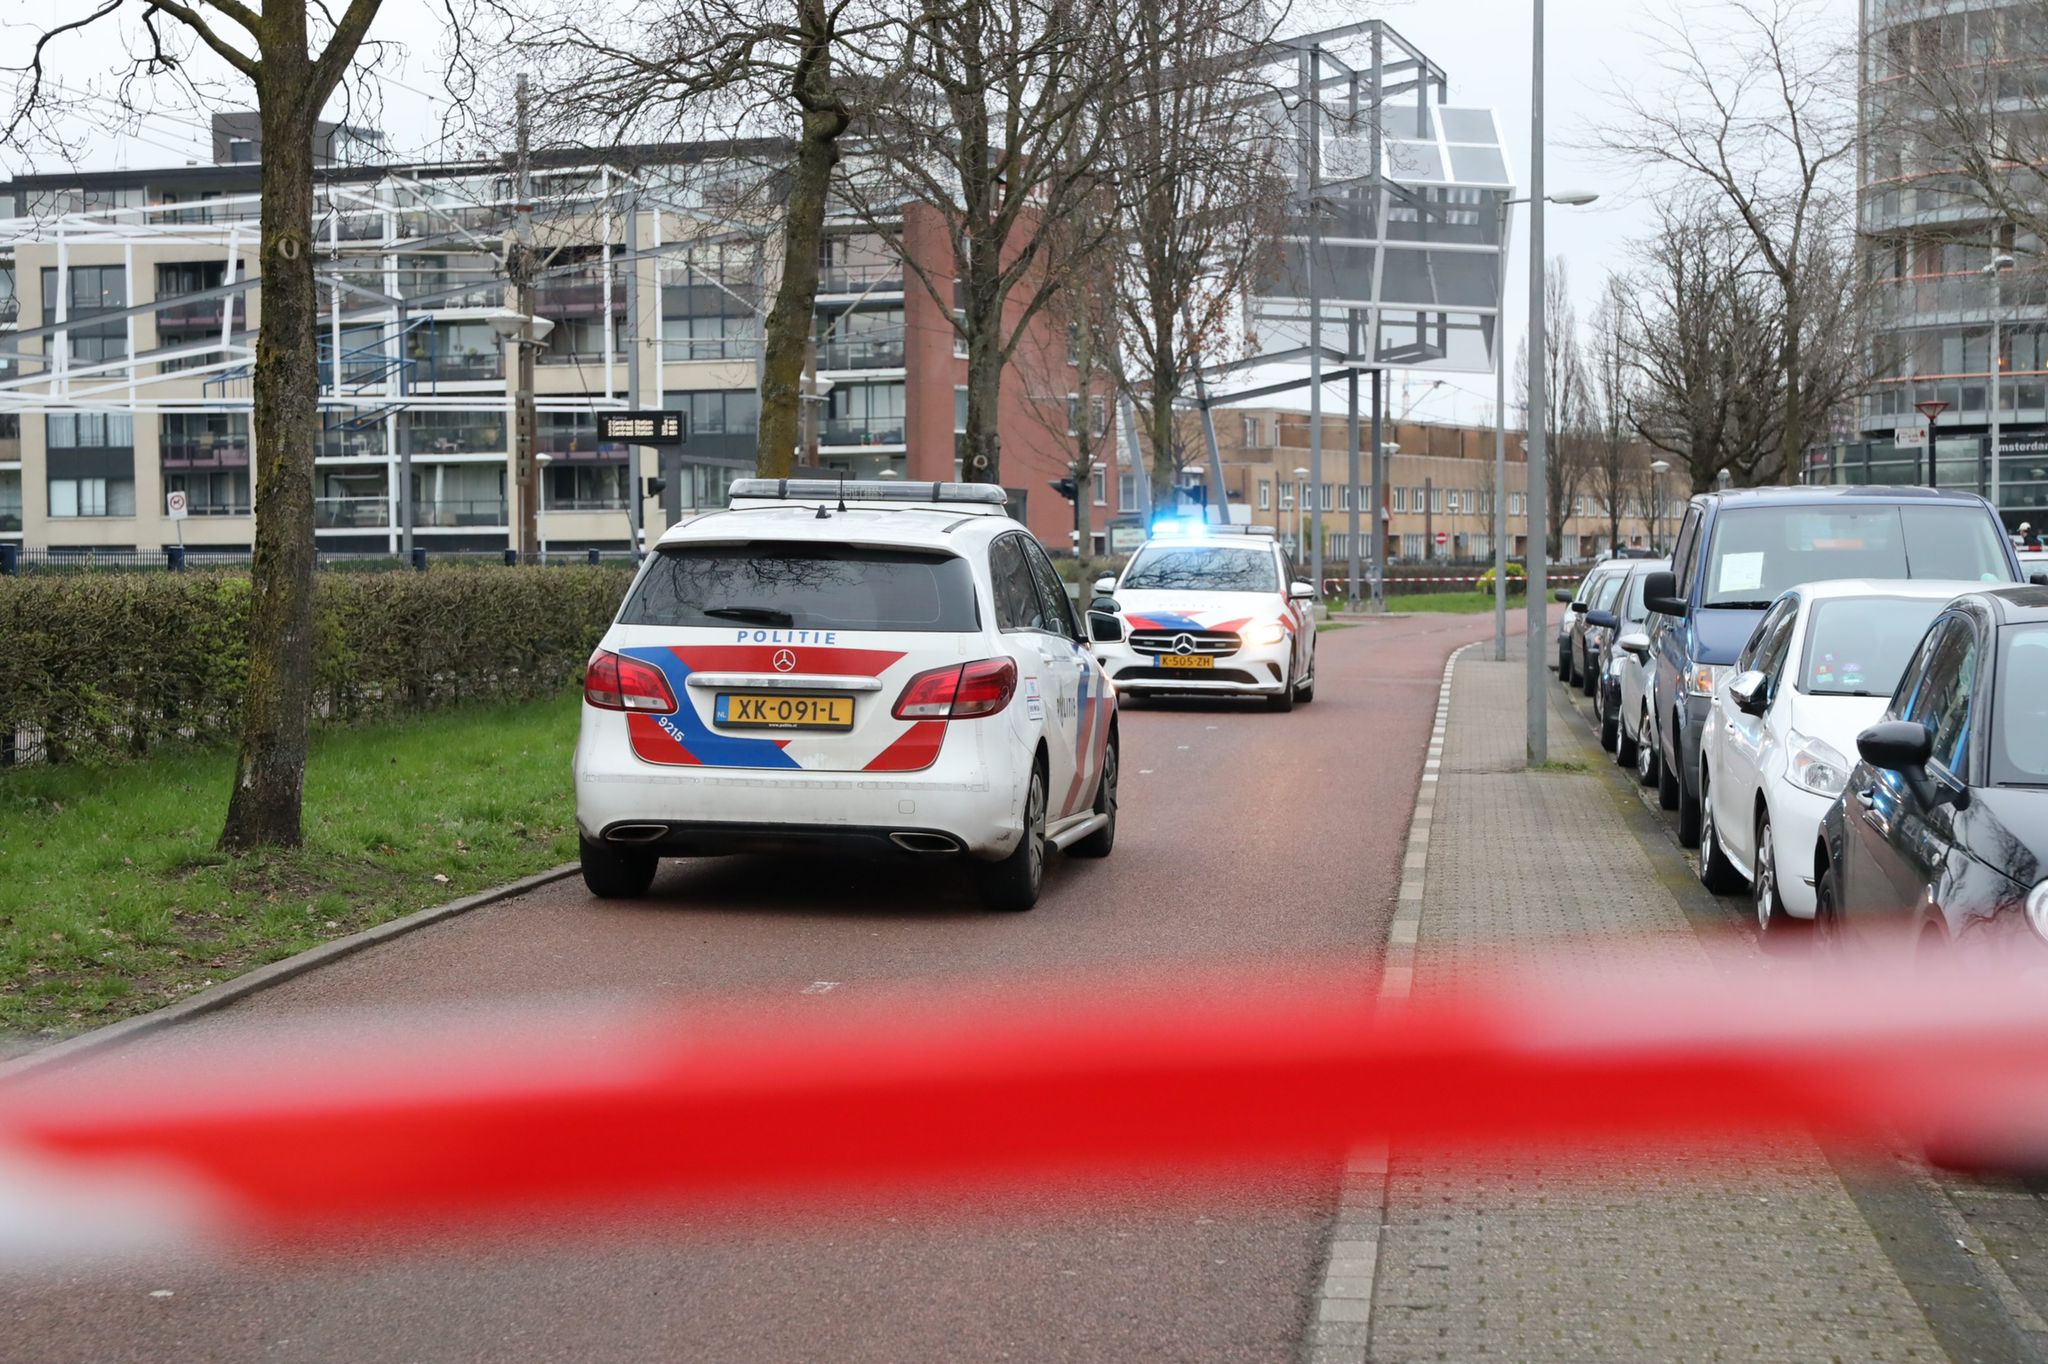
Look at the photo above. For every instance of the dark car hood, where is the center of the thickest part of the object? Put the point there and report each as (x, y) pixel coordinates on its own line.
(2007, 829)
(1720, 632)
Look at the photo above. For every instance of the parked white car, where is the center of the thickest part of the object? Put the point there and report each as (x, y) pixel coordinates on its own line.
(887, 666)
(1780, 738)
(1622, 698)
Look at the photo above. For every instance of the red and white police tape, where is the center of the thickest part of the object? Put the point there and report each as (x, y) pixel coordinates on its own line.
(432, 1129)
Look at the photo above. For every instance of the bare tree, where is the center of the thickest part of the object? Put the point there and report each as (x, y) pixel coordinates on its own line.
(1568, 424)
(1759, 113)
(992, 119)
(1200, 190)
(730, 70)
(1616, 464)
(1701, 322)
(294, 54)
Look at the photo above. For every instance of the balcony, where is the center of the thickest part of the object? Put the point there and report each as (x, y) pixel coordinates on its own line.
(351, 513)
(681, 348)
(856, 353)
(875, 277)
(203, 315)
(578, 293)
(204, 454)
(856, 432)
(581, 448)
(585, 504)
(454, 513)
(461, 365)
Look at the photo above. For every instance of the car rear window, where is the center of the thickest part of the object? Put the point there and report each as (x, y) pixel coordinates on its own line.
(1858, 646)
(1760, 552)
(1201, 568)
(768, 586)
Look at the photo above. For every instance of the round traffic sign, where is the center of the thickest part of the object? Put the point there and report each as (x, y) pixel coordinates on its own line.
(1442, 539)
(174, 504)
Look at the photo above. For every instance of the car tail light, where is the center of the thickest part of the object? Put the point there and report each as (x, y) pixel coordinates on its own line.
(961, 692)
(616, 682)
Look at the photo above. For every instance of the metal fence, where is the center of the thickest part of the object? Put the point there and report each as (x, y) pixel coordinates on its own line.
(17, 561)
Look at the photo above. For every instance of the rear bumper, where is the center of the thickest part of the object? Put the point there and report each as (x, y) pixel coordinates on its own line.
(973, 794)
(711, 838)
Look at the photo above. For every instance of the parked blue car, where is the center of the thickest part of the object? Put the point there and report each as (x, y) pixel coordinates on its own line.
(1737, 552)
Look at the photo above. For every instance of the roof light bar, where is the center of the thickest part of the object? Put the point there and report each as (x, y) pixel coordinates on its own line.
(865, 490)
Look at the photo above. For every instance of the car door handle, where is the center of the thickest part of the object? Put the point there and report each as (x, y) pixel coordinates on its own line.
(1868, 797)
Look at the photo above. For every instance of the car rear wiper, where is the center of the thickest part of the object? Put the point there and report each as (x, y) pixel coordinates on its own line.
(759, 615)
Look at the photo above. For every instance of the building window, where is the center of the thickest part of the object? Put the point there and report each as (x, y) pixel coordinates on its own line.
(1286, 497)
(90, 431)
(212, 492)
(1327, 497)
(1411, 545)
(587, 487)
(203, 439)
(1251, 431)
(1126, 491)
(90, 291)
(959, 409)
(1400, 499)
(1074, 343)
(959, 335)
(1099, 484)
(437, 431)
(10, 501)
(1344, 498)
(719, 412)
(1436, 499)
(1456, 503)
(862, 414)
(1073, 414)
(74, 497)
(1265, 495)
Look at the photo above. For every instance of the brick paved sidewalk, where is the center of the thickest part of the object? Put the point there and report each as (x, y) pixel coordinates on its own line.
(1739, 1254)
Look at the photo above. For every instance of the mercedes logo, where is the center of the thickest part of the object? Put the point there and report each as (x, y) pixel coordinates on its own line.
(785, 660)
(1183, 644)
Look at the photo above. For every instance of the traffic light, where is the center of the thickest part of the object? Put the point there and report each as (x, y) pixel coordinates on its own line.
(1065, 488)
(654, 487)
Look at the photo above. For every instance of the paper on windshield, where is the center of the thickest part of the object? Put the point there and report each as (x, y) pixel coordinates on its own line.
(1740, 573)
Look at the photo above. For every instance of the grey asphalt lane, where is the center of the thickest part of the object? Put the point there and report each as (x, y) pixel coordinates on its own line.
(1248, 841)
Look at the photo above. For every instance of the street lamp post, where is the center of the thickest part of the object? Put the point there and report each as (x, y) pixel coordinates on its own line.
(1300, 512)
(1658, 468)
(1996, 269)
(1574, 199)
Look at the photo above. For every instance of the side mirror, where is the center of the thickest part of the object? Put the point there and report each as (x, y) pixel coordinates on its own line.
(1301, 591)
(1602, 619)
(2039, 579)
(1105, 584)
(1636, 643)
(1660, 594)
(1105, 621)
(1563, 594)
(1751, 693)
(1896, 745)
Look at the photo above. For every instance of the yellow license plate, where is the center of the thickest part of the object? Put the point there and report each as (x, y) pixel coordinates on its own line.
(1186, 661)
(784, 710)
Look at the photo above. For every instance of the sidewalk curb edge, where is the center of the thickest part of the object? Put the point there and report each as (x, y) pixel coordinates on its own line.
(216, 997)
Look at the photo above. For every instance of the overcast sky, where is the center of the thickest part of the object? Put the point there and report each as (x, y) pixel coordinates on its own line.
(1483, 45)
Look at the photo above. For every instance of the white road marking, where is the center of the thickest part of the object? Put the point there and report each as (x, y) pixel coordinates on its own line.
(819, 987)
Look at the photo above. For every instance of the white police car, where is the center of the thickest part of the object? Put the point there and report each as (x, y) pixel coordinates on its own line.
(882, 665)
(1208, 608)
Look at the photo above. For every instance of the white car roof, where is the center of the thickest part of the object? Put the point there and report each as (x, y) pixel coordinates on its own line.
(1913, 589)
(909, 526)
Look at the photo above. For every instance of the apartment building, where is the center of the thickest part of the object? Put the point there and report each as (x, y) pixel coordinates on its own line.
(1440, 482)
(130, 302)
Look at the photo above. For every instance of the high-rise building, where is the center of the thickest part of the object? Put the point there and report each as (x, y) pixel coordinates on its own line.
(130, 303)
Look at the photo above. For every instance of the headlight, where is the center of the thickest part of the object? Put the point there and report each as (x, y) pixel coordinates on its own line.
(1266, 632)
(1706, 677)
(2037, 909)
(1816, 766)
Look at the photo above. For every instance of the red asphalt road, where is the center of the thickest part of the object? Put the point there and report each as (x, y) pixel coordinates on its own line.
(1246, 839)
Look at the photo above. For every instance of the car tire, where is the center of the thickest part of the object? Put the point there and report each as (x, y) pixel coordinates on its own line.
(1717, 873)
(1610, 723)
(1283, 701)
(1564, 665)
(1012, 885)
(1771, 919)
(1827, 916)
(1646, 756)
(1308, 688)
(1103, 840)
(1667, 779)
(1626, 749)
(1589, 679)
(616, 873)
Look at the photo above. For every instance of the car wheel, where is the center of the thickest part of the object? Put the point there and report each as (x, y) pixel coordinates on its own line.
(1827, 915)
(1667, 778)
(1284, 700)
(1646, 750)
(1099, 843)
(1771, 918)
(1308, 688)
(1627, 751)
(1610, 723)
(1564, 665)
(614, 873)
(1589, 677)
(1013, 884)
(1717, 873)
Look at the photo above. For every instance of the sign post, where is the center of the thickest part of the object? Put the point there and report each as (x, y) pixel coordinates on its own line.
(657, 428)
(1931, 409)
(177, 506)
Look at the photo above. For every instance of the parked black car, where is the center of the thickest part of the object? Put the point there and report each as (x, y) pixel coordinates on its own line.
(1943, 826)
(1625, 615)
(1737, 552)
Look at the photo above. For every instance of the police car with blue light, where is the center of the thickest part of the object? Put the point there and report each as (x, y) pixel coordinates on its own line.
(1213, 609)
(866, 665)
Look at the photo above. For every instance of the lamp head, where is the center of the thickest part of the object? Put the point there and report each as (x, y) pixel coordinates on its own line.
(1574, 198)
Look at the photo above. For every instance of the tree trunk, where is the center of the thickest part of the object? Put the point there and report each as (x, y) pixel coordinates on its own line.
(983, 442)
(787, 340)
(270, 772)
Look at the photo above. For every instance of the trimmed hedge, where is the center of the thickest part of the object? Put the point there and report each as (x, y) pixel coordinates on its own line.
(1518, 580)
(98, 666)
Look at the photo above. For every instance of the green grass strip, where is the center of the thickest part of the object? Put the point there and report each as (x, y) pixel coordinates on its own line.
(113, 900)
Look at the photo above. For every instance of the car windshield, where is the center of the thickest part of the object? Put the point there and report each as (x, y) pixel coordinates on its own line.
(1760, 552)
(2019, 733)
(1858, 646)
(1202, 568)
(771, 586)
(1608, 591)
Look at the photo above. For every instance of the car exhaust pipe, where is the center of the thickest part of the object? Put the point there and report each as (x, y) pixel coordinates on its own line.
(926, 843)
(636, 833)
